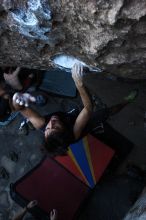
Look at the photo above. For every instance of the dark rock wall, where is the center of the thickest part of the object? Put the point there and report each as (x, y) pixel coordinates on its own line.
(106, 33)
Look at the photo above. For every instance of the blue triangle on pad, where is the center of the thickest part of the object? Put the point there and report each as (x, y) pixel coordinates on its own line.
(79, 153)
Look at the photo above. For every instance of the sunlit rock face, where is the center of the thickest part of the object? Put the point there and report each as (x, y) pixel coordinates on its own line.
(100, 33)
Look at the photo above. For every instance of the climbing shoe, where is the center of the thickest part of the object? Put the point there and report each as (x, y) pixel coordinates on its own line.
(132, 96)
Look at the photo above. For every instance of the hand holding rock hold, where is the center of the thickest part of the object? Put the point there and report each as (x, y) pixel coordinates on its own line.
(77, 74)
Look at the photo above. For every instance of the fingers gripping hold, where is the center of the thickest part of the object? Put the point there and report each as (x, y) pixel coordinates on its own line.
(77, 74)
(77, 71)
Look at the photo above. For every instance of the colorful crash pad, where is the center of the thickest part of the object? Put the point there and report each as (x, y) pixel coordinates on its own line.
(52, 186)
(64, 183)
(87, 159)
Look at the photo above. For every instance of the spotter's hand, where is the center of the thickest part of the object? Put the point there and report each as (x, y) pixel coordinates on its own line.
(23, 99)
(32, 204)
(53, 214)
